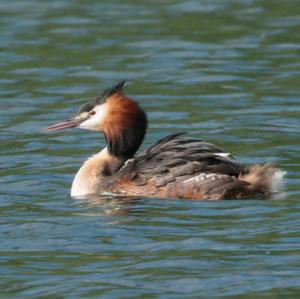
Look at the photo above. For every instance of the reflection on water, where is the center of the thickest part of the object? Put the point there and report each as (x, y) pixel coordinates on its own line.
(111, 204)
(223, 71)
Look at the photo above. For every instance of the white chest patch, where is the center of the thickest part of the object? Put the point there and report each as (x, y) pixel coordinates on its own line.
(87, 178)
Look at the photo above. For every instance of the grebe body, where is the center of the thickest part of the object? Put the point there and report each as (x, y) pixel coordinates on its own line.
(174, 167)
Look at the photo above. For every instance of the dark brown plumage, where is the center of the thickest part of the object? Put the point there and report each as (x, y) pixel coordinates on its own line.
(177, 167)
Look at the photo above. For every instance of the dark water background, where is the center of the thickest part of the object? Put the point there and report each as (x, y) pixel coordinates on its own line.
(224, 71)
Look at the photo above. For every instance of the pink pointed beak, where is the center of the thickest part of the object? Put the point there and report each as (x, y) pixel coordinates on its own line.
(71, 123)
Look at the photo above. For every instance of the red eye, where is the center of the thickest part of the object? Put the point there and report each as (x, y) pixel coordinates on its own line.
(92, 113)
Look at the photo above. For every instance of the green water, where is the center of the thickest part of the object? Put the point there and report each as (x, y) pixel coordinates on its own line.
(224, 71)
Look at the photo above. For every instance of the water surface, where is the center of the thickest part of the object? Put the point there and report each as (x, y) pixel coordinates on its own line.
(223, 71)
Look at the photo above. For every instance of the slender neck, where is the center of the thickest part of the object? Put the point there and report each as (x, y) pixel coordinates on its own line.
(125, 130)
(126, 143)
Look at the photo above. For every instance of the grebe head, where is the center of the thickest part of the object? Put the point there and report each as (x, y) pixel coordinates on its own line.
(120, 118)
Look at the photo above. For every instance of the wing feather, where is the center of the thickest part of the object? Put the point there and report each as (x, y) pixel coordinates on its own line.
(176, 156)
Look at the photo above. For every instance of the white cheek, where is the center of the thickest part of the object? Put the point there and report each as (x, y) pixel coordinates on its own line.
(96, 121)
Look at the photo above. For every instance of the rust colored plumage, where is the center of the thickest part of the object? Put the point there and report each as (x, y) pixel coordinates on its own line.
(125, 125)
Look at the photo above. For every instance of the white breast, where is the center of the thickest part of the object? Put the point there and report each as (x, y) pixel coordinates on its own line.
(81, 185)
(87, 179)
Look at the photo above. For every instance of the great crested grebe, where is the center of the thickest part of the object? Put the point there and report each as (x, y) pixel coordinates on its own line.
(174, 167)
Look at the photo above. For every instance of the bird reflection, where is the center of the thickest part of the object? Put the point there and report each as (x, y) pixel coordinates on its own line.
(111, 205)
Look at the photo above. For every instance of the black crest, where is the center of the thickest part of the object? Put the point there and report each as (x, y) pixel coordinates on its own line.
(118, 87)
